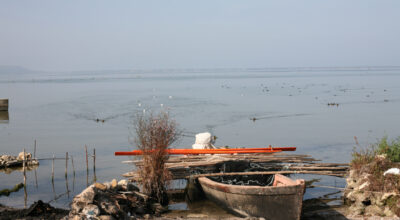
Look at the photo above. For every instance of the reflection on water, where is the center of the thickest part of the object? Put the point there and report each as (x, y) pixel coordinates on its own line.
(60, 111)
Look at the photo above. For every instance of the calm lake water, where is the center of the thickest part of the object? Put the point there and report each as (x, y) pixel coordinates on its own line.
(59, 111)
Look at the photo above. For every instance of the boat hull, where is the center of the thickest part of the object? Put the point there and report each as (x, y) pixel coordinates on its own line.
(282, 201)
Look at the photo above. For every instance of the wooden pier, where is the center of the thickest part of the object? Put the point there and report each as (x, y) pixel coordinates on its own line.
(183, 167)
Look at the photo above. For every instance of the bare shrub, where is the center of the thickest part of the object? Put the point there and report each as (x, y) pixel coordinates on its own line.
(154, 134)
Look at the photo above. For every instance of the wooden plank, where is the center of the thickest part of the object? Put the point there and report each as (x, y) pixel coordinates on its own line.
(3, 104)
(267, 173)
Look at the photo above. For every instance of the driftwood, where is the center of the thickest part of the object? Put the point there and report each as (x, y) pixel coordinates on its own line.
(182, 167)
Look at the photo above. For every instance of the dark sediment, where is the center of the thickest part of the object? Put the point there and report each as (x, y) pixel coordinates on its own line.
(38, 210)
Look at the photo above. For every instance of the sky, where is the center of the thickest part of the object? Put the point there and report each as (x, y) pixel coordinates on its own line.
(56, 35)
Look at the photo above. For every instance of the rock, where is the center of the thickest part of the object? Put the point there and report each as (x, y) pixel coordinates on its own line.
(114, 184)
(124, 185)
(108, 206)
(356, 209)
(380, 156)
(157, 208)
(81, 200)
(106, 217)
(197, 216)
(100, 186)
(28, 156)
(363, 186)
(373, 210)
(91, 211)
(386, 196)
(107, 184)
(75, 217)
(388, 212)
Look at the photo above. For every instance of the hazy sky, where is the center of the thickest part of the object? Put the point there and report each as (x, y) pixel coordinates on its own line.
(94, 35)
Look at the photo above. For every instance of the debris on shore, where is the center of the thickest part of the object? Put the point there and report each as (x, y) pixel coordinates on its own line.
(364, 197)
(7, 161)
(373, 185)
(38, 210)
(113, 200)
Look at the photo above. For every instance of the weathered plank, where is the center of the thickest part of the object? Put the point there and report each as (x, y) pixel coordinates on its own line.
(184, 166)
(3, 104)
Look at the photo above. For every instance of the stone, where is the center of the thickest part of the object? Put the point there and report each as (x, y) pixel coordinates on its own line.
(193, 215)
(356, 209)
(77, 206)
(28, 156)
(363, 186)
(108, 206)
(386, 196)
(388, 212)
(123, 185)
(107, 184)
(91, 211)
(100, 186)
(381, 156)
(114, 184)
(373, 210)
(81, 200)
(75, 217)
(106, 217)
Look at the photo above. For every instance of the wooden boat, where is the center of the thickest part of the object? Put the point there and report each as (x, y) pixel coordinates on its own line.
(3, 104)
(213, 151)
(282, 200)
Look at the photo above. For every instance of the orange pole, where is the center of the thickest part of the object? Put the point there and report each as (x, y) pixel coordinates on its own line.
(201, 151)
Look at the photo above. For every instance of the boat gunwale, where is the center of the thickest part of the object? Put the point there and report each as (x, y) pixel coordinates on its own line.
(255, 190)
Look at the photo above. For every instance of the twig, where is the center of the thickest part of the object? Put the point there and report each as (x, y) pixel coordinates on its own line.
(59, 196)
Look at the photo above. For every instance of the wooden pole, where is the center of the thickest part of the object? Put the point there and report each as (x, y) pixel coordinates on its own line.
(23, 167)
(34, 151)
(23, 163)
(52, 170)
(66, 164)
(73, 167)
(94, 158)
(94, 165)
(87, 167)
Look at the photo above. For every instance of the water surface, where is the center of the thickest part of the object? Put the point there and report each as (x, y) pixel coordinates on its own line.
(60, 112)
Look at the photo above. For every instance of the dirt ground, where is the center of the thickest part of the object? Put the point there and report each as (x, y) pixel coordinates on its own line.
(38, 210)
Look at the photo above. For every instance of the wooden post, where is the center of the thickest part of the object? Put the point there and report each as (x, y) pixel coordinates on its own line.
(87, 167)
(34, 151)
(87, 162)
(23, 167)
(66, 173)
(73, 167)
(94, 158)
(52, 170)
(66, 164)
(23, 163)
(94, 165)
